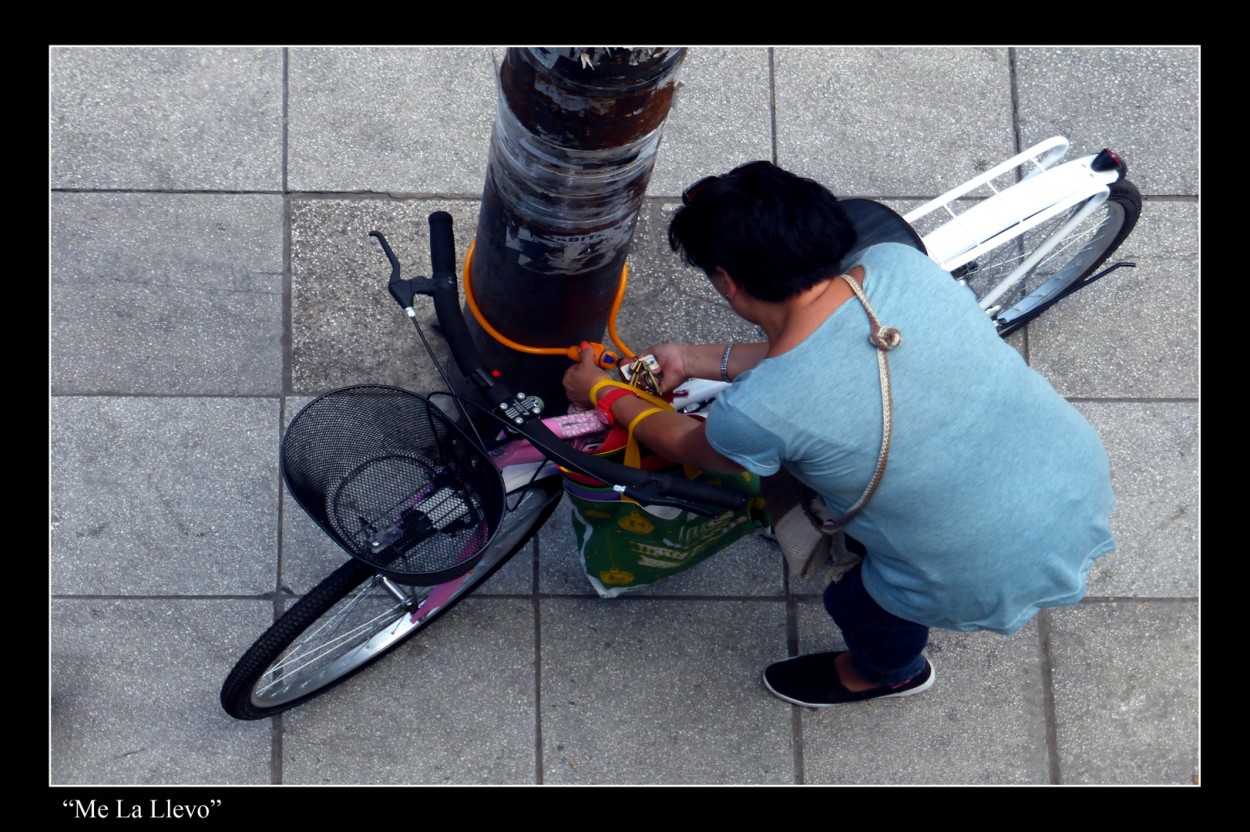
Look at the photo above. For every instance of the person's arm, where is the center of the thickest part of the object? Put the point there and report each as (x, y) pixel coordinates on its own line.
(679, 362)
(672, 435)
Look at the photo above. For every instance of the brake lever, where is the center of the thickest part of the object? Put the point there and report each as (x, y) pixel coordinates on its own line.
(403, 291)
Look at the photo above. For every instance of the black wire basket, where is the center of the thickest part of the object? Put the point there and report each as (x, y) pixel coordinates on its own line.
(394, 482)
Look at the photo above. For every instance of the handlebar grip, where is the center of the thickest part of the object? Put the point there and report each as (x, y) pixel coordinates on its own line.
(447, 308)
(647, 485)
(442, 246)
(709, 495)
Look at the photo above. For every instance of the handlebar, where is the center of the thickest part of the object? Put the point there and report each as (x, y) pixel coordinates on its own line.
(442, 246)
(646, 487)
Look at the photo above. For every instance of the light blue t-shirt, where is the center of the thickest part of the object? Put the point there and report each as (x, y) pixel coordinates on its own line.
(997, 494)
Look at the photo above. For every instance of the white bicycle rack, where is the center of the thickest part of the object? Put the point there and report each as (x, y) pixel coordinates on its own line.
(1044, 191)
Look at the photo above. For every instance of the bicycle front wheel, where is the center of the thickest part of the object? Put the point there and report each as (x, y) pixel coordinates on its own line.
(355, 617)
(1064, 269)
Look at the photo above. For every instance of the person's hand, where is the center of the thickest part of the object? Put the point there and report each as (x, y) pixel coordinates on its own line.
(672, 361)
(582, 376)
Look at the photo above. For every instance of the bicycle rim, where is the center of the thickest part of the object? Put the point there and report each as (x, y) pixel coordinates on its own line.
(360, 627)
(1074, 257)
(355, 617)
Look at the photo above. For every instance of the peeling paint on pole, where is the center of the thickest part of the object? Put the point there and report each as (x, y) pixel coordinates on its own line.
(575, 138)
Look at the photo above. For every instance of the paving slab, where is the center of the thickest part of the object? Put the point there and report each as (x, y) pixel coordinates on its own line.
(174, 496)
(1156, 476)
(456, 704)
(892, 121)
(128, 706)
(346, 328)
(308, 554)
(166, 119)
(721, 118)
(649, 691)
(412, 120)
(983, 721)
(1116, 724)
(1135, 333)
(1140, 101)
(166, 293)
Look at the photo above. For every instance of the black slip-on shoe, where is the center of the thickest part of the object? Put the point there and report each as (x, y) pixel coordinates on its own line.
(812, 681)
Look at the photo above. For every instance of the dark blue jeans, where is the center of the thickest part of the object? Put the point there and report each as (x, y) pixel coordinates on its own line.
(885, 649)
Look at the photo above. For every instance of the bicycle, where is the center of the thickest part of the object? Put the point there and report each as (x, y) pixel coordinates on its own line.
(429, 510)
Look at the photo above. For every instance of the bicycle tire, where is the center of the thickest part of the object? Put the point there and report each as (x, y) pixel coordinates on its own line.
(1066, 269)
(350, 620)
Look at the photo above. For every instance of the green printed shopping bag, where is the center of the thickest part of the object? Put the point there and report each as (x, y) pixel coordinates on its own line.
(624, 545)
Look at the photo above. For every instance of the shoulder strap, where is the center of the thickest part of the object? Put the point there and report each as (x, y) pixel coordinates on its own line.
(884, 338)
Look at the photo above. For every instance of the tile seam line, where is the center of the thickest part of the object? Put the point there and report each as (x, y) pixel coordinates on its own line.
(1054, 757)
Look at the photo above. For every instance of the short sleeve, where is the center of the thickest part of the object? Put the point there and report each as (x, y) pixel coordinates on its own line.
(732, 434)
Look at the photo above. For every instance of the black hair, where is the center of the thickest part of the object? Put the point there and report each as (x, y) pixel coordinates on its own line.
(775, 233)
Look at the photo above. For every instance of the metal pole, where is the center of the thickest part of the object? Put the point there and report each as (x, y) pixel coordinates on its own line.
(574, 143)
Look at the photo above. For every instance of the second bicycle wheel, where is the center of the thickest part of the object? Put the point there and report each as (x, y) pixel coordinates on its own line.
(1075, 257)
(354, 617)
